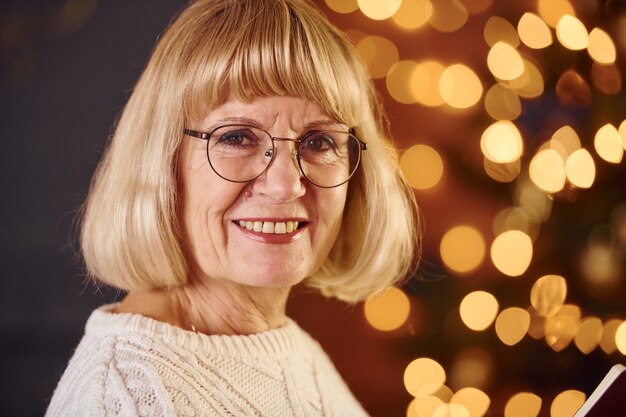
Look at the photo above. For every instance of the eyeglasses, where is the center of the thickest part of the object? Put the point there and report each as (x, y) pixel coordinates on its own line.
(241, 153)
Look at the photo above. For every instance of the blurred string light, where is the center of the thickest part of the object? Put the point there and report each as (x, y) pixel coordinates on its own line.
(502, 142)
(472, 367)
(478, 310)
(462, 249)
(505, 62)
(413, 14)
(561, 327)
(601, 47)
(422, 166)
(343, 6)
(512, 325)
(534, 31)
(567, 403)
(551, 11)
(572, 33)
(523, 404)
(387, 310)
(378, 53)
(608, 343)
(620, 338)
(511, 252)
(460, 87)
(379, 10)
(498, 29)
(609, 144)
(448, 15)
(548, 294)
(424, 376)
(589, 334)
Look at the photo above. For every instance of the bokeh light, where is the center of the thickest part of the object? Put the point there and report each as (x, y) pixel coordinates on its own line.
(379, 10)
(530, 84)
(552, 10)
(620, 338)
(378, 53)
(475, 401)
(342, 6)
(567, 403)
(501, 103)
(533, 31)
(511, 252)
(505, 172)
(425, 406)
(589, 334)
(502, 142)
(423, 376)
(505, 62)
(580, 169)
(478, 310)
(422, 166)
(560, 328)
(515, 218)
(460, 87)
(424, 83)
(451, 410)
(462, 249)
(523, 404)
(548, 294)
(608, 344)
(606, 78)
(399, 79)
(477, 6)
(536, 329)
(572, 90)
(448, 15)
(601, 47)
(387, 310)
(512, 325)
(547, 171)
(608, 144)
(473, 367)
(565, 140)
(498, 29)
(571, 33)
(413, 14)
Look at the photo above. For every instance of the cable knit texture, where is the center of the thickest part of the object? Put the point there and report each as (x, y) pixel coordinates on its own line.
(129, 365)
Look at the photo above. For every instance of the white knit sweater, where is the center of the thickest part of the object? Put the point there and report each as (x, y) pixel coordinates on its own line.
(130, 365)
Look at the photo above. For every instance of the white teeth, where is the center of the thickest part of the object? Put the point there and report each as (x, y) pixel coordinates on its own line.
(278, 228)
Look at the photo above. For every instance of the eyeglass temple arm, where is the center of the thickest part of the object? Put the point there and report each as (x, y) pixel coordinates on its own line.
(196, 134)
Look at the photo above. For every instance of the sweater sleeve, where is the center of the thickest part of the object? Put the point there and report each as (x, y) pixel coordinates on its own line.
(92, 384)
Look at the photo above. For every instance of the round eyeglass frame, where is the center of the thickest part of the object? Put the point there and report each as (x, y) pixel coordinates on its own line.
(362, 146)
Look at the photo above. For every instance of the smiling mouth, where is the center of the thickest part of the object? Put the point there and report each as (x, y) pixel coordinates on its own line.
(274, 228)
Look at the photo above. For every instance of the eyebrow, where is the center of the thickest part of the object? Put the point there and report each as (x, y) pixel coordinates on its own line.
(316, 124)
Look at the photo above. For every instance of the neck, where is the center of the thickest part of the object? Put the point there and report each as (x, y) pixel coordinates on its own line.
(213, 307)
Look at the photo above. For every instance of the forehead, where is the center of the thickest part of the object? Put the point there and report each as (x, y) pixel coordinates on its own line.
(267, 112)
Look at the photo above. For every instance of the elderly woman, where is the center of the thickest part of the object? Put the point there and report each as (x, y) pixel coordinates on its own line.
(250, 158)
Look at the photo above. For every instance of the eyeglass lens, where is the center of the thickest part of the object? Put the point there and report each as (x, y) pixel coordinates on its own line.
(242, 153)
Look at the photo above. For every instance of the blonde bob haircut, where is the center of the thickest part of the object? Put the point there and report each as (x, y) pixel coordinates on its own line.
(131, 235)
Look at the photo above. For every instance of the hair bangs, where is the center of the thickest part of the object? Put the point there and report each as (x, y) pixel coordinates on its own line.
(274, 52)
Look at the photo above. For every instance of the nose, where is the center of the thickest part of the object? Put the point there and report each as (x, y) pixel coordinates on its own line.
(282, 181)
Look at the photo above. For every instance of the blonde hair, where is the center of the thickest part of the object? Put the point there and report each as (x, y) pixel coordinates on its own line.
(131, 235)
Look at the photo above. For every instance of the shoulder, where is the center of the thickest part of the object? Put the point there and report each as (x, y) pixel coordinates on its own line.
(106, 375)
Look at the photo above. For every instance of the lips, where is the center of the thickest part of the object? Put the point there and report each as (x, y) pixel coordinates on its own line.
(272, 228)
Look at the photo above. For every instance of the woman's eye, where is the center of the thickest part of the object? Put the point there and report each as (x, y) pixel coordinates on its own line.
(237, 139)
(319, 142)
